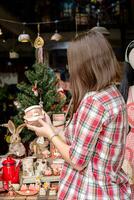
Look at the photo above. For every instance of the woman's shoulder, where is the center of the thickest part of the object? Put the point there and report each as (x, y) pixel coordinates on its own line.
(108, 97)
(107, 93)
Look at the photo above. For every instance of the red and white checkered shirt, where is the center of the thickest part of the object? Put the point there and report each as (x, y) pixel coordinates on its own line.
(97, 137)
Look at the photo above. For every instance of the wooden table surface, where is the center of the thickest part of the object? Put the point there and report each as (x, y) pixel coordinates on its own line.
(5, 196)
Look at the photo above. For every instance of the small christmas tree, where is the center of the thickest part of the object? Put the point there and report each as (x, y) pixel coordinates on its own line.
(40, 87)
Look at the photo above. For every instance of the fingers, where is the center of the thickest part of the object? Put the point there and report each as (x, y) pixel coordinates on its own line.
(47, 119)
(41, 121)
(32, 128)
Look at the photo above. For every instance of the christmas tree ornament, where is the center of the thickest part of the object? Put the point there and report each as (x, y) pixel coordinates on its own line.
(56, 36)
(35, 89)
(61, 93)
(17, 104)
(39, 42)
(24, 37)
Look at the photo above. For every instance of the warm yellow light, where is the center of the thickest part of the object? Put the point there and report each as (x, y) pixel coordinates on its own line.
(24, 37)
(56, 36)
(1, 32)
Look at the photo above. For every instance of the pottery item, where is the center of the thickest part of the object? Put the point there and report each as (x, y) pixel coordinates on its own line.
(33, 113)
(27, 166)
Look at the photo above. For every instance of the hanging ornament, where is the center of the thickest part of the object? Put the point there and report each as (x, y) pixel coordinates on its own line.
(39, 55)
(39, 42)
(99, 28)
(41, 102)
(76, 27)
(24, 37)
(35, 89)
(1, 31)
(17, 104)
(56, 36)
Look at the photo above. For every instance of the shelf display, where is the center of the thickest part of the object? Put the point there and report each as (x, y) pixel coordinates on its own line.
(43, 179)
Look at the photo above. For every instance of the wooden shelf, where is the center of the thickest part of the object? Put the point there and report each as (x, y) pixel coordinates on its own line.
(35, 197)
(28, 180)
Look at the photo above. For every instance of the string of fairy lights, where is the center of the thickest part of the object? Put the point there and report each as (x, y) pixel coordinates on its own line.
(39, 41)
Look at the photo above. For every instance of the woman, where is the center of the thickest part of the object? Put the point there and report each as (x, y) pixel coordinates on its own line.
(94, 143)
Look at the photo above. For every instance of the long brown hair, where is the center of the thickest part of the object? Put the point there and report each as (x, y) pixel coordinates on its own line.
(92, 65)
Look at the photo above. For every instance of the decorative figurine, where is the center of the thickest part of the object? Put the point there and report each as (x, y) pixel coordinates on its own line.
(16, 147)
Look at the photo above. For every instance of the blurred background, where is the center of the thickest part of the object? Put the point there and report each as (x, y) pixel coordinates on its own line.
(18, 16)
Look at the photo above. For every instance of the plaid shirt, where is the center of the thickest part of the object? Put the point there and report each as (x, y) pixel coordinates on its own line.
(97, 137)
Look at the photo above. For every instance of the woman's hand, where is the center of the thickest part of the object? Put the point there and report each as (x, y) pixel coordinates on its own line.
(47, 119)
(44, 129)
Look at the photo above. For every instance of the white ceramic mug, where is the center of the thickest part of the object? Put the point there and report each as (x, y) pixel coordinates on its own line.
(33, 113)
